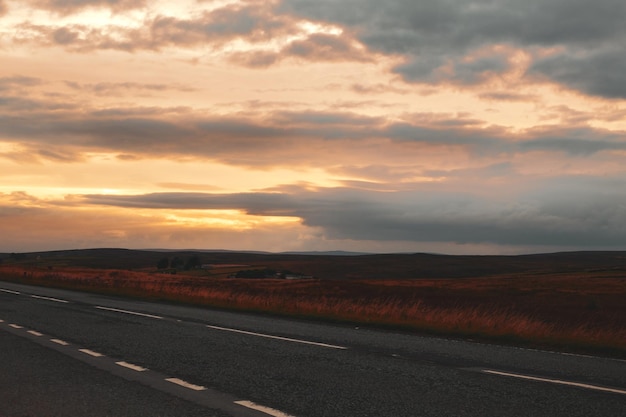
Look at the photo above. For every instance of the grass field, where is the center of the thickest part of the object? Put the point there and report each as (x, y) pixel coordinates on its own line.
(576, 311)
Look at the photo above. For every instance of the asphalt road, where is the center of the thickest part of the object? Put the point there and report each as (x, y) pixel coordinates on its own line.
(67, 353)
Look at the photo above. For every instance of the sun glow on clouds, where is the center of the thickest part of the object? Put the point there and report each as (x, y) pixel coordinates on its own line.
(227, 219)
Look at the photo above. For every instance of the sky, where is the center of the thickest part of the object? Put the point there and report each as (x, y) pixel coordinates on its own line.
(446, 126)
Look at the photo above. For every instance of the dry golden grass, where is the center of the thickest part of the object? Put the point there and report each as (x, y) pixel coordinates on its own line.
(576, 312)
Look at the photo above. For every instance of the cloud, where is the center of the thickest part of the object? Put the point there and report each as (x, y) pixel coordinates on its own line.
(3, 8)
(438, 39)
(317, 47)
(574, 141)
(121, 88)
(575, 43)
(269, 37)
(38, 225)
(507, 96)
(377, 89)
(600, 72)
(269, 137)
(18, 81)
(584, 217)
(253, 23)
(72, 6)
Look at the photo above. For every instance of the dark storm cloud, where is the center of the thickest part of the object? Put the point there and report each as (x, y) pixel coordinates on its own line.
(584, 217)
(436, 36)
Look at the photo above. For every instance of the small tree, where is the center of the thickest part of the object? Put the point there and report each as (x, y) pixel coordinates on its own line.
(163, 263)
(192, 262)
(176, 262)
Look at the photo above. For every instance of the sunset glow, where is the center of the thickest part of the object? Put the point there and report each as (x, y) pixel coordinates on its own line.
(402, 126)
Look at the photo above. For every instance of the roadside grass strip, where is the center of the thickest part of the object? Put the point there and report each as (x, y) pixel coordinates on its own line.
(557, 381)
(263, 409)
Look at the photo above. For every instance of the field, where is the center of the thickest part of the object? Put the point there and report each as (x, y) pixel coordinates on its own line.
(573, 302)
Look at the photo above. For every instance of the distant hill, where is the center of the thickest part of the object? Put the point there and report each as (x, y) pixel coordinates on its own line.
(344, 265)
(327, 253)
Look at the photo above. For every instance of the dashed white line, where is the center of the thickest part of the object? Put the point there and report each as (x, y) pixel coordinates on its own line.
(131, 366)
(50, 299)
(1, 321)
(117, 310)
(91, 353)
(266, 410)
(307, 342)
(557, 381)
(185, 384)
(35, 333)
(10, 291)
(15, 326)
(59, 342)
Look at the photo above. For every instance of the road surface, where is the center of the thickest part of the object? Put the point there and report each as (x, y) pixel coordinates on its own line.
(71, 353)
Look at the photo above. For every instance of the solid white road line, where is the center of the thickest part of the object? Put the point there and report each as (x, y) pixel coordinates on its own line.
(59, 342)
(263, 409)
(15, 326)
(185, 384)
(131, 366)
(128, 312)
(49, 299)
(10, 291)
(35, 333)
(91, 353)
(307, 342)
(557, 381)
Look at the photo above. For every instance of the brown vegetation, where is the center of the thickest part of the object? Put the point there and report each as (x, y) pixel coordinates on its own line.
(581, 311)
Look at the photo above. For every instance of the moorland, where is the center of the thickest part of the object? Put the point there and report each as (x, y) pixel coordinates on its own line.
(572, 301)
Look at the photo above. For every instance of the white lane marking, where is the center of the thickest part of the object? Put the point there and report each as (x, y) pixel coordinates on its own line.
(266, 410)
(307, 342)
(10, 291)
(49, 299)
(128, 312)
(185, 384)
(131, 366)
(1, 321)
(15, 326)
(91, 353)
(59, 342)
(557, 381)
(35, 333)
